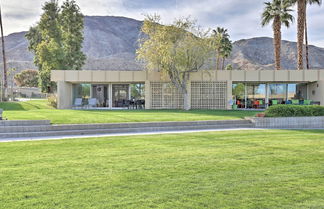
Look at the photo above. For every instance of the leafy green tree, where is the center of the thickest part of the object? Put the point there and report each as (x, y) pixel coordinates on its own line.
(277, 11)
(56, 40)
(175, 50)
(45, 42)
(229, 67)
(27, 78)
(71, 24)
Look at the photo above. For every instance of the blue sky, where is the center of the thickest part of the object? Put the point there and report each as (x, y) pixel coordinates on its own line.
(242, 18)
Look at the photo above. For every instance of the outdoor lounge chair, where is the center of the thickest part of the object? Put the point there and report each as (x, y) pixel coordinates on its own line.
(274, 102)
(92, 102)
(77, 102)
(295, 101)
(307, 102)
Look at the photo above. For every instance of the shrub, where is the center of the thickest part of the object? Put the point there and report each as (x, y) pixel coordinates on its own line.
(27, 78)
(52, 101)
(294, 111)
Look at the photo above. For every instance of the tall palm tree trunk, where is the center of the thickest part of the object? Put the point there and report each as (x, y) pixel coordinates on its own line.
(306, 43)
(223, 63)
(277, 42)
(218, 60)
(5, 83)
(301, 7)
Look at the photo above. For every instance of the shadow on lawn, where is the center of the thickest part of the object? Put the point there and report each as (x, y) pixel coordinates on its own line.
(11, 106)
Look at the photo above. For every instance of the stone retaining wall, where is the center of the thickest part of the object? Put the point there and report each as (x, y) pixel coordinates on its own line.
(289, 122)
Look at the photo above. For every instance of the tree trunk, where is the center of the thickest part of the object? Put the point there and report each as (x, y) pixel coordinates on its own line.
(186, 101)
(4, 81)
(306, 43)
(217, 61)
(277, 42)
(301, 4)
(223, 64)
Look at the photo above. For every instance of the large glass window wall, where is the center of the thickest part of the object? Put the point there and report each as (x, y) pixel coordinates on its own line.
(260, 96)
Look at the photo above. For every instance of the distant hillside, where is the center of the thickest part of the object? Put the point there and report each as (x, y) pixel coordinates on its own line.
(110, 44)
(258, 53)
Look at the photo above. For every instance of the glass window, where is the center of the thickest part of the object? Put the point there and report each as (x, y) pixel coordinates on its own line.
(81, 91)
(292, 92)
(256, 94)
(137, 91)
(277, 93)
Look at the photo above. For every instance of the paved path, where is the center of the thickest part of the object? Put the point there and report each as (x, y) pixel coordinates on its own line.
(125, 134)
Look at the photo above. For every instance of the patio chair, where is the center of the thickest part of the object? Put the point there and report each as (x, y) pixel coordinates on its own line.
(274, 102)
(307, 102)
(77, 102)
(255, 104)
(295, 101)
(92, 102)
(261, 104)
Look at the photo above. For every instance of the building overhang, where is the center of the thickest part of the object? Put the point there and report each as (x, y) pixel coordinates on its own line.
(265, 76)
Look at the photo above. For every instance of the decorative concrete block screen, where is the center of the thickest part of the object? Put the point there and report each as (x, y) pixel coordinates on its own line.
(165, 96)
(209, 95)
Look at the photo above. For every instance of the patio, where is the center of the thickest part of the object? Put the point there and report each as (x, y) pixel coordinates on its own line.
(108, 96)
(262, 95)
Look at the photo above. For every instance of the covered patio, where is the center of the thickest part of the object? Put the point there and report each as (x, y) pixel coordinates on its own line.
(109, 95)
(207, 89)
(252, 95)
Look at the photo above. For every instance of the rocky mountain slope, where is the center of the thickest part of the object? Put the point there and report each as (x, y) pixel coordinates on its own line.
(110, 44)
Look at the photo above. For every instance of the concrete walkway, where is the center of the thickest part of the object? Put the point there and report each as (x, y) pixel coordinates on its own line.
(120, 134)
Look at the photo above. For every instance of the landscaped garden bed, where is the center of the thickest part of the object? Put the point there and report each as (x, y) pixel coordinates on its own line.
(291, 116)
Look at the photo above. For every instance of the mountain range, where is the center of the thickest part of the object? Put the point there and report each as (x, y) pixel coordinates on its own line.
(110, 44)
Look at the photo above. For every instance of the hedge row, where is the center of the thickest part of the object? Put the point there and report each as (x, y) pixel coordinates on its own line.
(294, 111)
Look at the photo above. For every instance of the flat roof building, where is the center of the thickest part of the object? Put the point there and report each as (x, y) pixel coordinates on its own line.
(208, 89)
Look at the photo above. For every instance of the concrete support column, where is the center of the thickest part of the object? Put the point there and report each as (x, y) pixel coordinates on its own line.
(147, 95)
(316, 92)
(64, 95)
(91, 91)
(229, 98)
(110, 96)
(129, 92)
(267, 95)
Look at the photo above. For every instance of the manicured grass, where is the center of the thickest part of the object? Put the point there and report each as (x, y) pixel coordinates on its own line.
(39, 110)
(241, 169)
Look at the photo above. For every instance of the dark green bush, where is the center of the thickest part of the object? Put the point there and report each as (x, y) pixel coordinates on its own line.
(294, 111)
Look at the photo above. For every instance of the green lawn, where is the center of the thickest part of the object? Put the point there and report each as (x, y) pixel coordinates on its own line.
(241, 169)
(39, 110)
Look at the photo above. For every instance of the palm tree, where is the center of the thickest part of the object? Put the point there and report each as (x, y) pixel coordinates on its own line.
(222, 45)
(226, 51)
(277, 11)
(4, 82)
(302, 29)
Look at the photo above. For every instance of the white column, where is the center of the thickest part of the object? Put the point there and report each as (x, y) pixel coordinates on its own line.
(110, 96)
(64, 95)
(129, 92)
(267, 96)
(147, 95)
